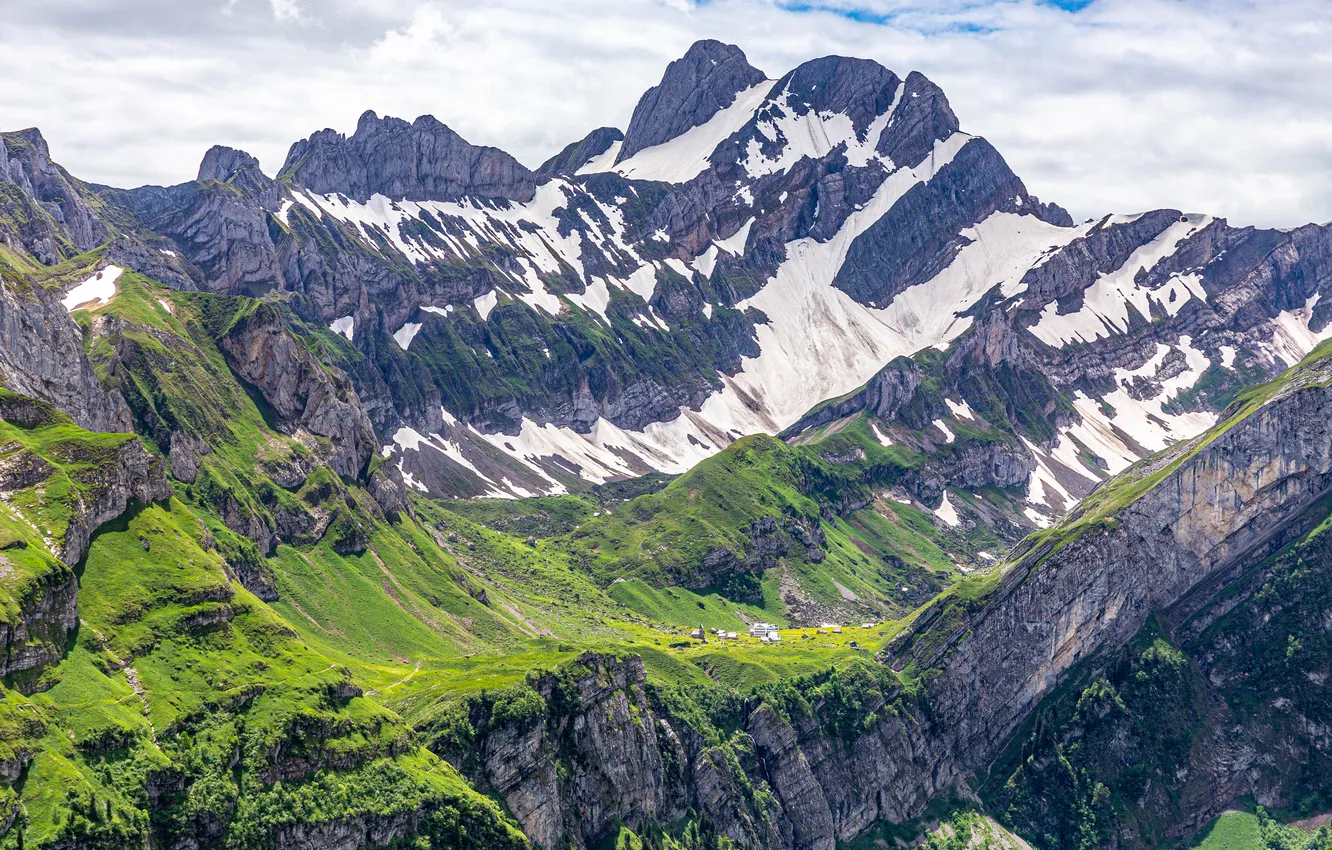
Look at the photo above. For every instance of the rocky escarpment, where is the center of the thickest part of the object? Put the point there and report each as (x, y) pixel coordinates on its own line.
(131, 474)
(302, 392)
(41, 355)
(1214, 506)
(579, 751)
(36, 635)
(108, 473)
(76, 483)
(421, 161)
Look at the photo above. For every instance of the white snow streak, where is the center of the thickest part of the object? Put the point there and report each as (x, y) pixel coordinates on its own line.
(1106, 303)
(686, 156)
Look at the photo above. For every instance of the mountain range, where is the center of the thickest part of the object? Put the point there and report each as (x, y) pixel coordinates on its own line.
(775, 472)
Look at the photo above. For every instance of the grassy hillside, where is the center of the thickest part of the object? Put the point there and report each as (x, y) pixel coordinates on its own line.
(213, 691)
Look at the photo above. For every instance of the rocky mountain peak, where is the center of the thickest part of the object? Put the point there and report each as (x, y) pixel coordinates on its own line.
(28, 165)
(694, 88)
(421, 161)
(223, 163)
(858, 88)
(923, 117)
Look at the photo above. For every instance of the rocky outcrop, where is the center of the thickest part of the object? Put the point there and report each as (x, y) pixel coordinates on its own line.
(223, 163)
(98, 476)
(218, 227)
(41, 355)
(131, 473)
(974, 465)
(883, 395)
(387, 487)
(421, 161)
(579, 153)
(599, 749)
(302, 392)
(694, 88)
(36, 634)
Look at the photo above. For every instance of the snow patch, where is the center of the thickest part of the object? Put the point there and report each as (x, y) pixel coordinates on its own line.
(1291, 337)
(943, 426)
(345, 326)
(961, 410)
(883, 438)
(947, 512)
(485, 303)
(96, 291)
(735, 243)
(602, 161)
(405, 334)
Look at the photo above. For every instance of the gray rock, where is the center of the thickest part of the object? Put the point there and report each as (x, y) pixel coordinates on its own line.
(184, 455)
(223, 163)
(41, 355)
(301, 391)
(694, 88)
(31, 169)
(421, 161)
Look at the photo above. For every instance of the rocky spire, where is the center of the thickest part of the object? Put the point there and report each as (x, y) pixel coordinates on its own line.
(694, 88)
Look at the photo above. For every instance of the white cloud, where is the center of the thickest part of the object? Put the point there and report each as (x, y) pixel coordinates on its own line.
(286, 10)
(1205, 105)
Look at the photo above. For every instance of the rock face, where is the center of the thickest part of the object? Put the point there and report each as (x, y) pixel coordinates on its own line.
(781, 782)
(223, 163)
(69, 217)
(607, 735)
(694, 88)
(302, 392)
(1223, 508)
(41, 355)
(36, 636)
(421, 161)
(133, 474)
(99, 478)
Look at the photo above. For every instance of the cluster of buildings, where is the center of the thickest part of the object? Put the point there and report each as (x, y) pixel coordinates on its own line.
(767, 632)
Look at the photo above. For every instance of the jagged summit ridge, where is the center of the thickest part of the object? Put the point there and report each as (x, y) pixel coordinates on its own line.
(420, 161)
(521, 332)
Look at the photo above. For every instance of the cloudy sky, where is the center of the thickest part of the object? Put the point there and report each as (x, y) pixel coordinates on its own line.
(1108, 105)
